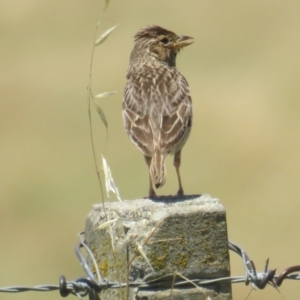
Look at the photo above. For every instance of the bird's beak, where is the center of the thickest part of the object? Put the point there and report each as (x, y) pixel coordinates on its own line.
(182, 41)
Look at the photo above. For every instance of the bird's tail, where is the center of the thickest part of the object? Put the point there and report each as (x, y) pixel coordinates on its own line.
(158, 169)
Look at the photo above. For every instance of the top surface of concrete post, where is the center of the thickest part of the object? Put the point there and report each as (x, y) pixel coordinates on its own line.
(153, 239)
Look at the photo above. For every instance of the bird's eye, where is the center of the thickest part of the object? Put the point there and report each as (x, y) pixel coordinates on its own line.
(165, 41)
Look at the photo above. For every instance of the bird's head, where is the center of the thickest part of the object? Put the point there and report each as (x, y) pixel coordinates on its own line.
(162, 44)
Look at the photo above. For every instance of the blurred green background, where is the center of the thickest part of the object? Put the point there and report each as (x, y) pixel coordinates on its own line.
(244, 75)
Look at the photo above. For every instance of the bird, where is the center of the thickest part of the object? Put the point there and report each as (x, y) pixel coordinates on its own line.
(157, 105)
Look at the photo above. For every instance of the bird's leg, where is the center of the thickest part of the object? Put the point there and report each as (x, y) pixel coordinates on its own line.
(152, 193)
(177, 165)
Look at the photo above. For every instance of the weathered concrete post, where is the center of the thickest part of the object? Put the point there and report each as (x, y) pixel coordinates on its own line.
(151, 240)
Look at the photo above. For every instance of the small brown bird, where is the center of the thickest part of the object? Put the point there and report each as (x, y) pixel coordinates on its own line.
(157, 106)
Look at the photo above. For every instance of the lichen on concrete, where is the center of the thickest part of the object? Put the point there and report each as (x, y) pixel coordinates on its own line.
(152, 239)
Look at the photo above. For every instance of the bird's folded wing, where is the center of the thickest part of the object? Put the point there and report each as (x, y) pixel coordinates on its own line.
(177, 118)
(138, 129)
(176, 127)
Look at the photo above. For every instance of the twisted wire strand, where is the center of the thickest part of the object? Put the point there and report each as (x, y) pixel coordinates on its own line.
(89, 286)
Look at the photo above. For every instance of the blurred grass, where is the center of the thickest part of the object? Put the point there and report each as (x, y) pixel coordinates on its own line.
(244, 72)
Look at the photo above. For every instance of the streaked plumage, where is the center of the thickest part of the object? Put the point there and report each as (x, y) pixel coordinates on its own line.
(157, 107)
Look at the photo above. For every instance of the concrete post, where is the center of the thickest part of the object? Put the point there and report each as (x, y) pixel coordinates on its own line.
(153, 240)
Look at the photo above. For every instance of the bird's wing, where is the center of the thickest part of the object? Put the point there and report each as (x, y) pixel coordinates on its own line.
(177, 117)
(136, 118)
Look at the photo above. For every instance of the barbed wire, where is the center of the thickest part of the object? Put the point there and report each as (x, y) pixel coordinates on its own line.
(92, 287)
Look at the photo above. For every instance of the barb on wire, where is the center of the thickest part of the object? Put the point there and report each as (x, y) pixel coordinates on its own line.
(259, 280)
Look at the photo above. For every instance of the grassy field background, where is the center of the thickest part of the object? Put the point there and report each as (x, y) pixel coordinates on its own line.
(244, 75)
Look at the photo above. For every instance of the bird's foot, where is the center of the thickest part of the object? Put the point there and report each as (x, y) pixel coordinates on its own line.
(180, 192)
(152, 193)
